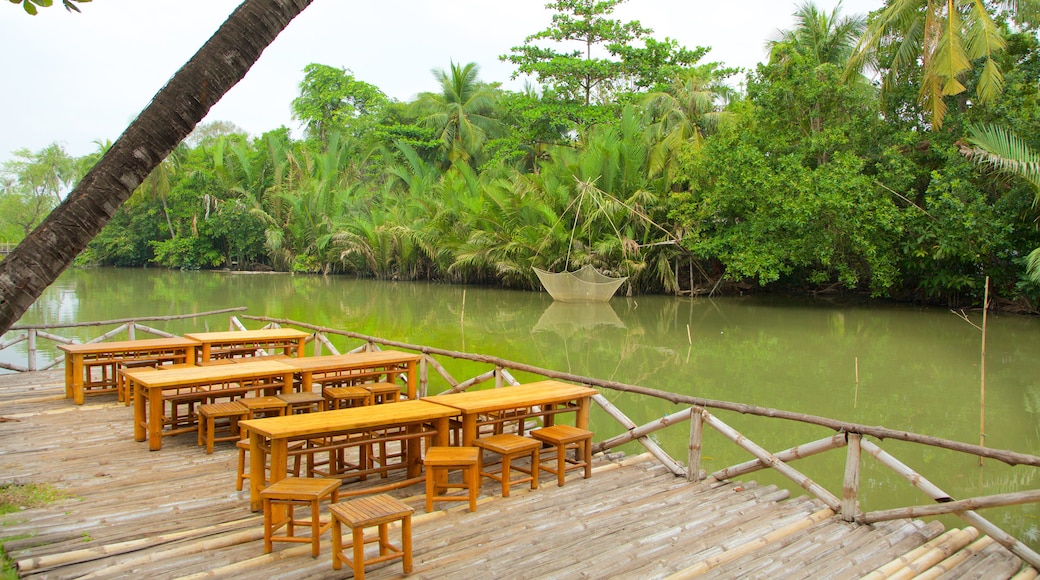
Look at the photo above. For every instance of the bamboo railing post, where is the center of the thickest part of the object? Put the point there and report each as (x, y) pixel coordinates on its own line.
(498, 377)
(32, 350)
(850, 487)
(131, 330)
(693, 468)
(509, 378)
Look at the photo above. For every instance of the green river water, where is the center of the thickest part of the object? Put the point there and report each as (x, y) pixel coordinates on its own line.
(904, 368)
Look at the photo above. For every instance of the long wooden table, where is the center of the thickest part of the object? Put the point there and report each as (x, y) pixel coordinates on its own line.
(272, 435)
(111, 357)
(210, 381)
(243, 342)
(545, 394)
(342, 367)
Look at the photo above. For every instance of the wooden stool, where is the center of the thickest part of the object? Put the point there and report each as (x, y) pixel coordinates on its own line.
(378, 510)
(439, 461)
(208, 415)
(383, 392)
(264, 406)
(302, 402)
(565, 437)
(343, 397)
(511, 446)
(291, 492)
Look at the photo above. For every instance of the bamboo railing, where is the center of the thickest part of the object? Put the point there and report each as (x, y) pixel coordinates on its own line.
(850, 436)
(32, 333)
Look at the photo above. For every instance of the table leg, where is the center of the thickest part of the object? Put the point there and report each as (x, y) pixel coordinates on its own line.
(77, 381)
(70, 367)
(443, 426)
(413, 382)
(469, 429)
(155, 416)
(257, 467)
(413, 451)
(140, 416)
(581, 419)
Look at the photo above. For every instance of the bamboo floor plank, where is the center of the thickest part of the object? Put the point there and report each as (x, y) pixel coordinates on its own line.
(174, 514)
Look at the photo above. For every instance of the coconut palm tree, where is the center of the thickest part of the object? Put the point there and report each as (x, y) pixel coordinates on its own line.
(460, 113)
(943, 40)
(685, 112)
(171, 115)
(827, 38)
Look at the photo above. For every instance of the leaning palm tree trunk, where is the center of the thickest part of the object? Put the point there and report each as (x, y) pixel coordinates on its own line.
(165, 122)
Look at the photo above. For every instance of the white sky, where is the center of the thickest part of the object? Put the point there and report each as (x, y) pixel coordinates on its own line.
(78, 78)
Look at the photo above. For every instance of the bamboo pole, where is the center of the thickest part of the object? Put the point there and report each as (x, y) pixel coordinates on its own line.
(125, 320)
(498, 377)
(17, 339)
(901, 562)
(744, 549)
(975, 503)
(508, 377)
(154, 331)
(1007, 540)
(46, 562)
(654, 449)
(938, 553)
(955, 559)
(32, 350)
(693, 465)
(768, 458)
(487, 376)
(850, 485)
(322, 339)
(804, 450)
(131, 330)
(235, 324)
(108, 334)
(982, 374)
(1008, 457)
(441, 371)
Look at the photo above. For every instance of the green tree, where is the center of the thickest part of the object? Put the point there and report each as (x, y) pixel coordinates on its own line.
(612, 59)
(827, 38)
(332, 99)
(35, 183)
(937, 43)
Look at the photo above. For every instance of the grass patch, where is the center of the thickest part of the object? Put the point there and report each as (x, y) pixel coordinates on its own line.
(19, 496)
(16, 497)
(7, 567)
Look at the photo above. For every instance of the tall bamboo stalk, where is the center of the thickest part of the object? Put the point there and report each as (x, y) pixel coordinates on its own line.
(982, 372)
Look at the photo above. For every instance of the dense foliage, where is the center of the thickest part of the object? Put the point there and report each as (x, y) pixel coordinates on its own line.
(634, 157)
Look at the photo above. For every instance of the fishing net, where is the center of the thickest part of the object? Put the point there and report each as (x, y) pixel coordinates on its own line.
(584, 285)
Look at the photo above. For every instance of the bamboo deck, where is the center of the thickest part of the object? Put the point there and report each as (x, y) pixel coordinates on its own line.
(175, 514)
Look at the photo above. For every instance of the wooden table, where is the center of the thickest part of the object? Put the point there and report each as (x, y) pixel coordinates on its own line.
(341, 367)
(275, 434)
(211, 381)
(473, 404)
(80, 360)
(244, 342)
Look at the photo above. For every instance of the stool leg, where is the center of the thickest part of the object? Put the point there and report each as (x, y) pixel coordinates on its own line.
(337, 544)
(315, 528)
(505, 475)
(430, 488)
(210, 425)
(267, 527)
(536, 461)
(359, 553)
(561, 464)
(384, 539)
(406, 543)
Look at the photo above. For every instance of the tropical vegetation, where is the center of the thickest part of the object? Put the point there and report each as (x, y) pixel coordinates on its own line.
(847, 162)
